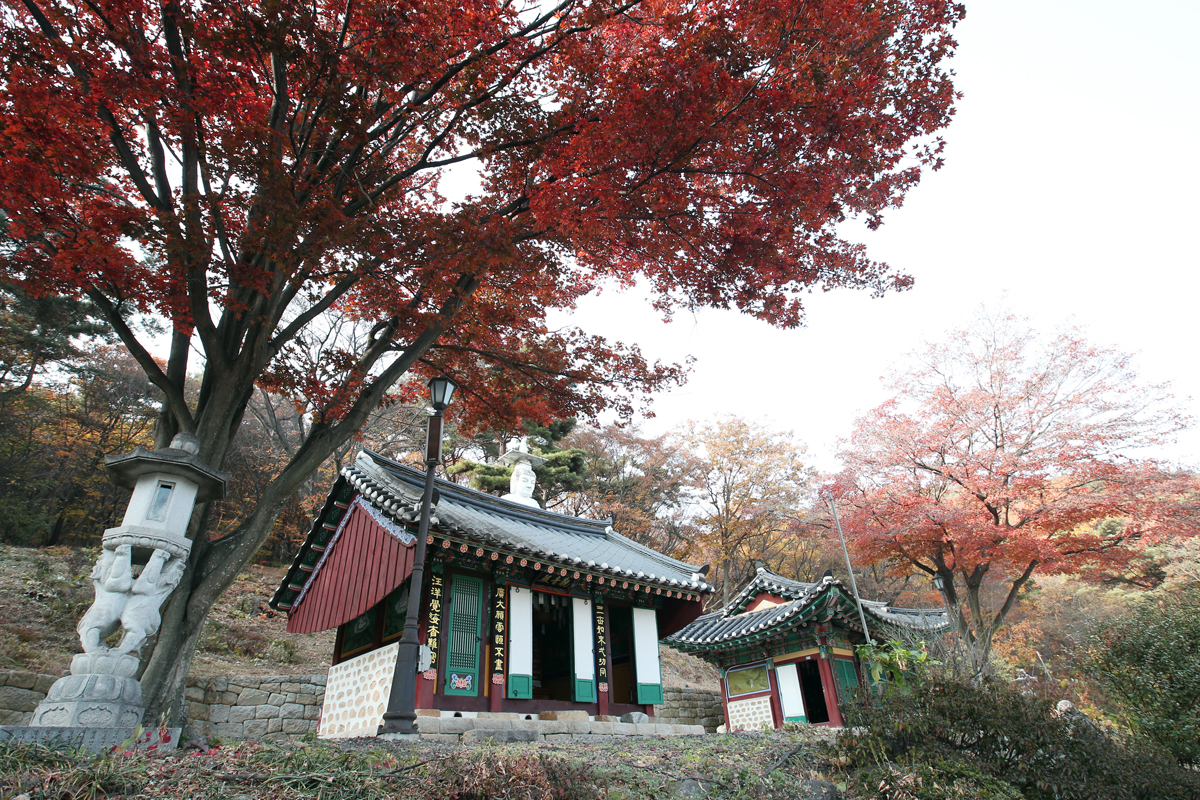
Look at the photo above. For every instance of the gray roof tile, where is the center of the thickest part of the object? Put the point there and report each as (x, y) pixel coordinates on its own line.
(570, 541)
(732, 622)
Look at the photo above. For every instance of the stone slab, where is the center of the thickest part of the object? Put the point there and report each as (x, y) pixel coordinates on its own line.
(500, 736)
(564, 716)
(19, 698)
(457, 724)
(95, 740)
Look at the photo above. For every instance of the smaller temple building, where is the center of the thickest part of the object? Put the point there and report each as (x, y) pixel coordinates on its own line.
(786, 649)
(524, 611)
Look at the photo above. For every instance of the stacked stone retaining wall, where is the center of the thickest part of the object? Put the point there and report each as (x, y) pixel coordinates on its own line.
(20, 692)
(691, 707)
(250, 707)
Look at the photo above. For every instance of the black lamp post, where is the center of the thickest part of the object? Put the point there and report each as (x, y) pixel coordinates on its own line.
(401, 716)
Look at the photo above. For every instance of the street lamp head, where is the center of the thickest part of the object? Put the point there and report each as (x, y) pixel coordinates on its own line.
(939, 582)
(441, 391)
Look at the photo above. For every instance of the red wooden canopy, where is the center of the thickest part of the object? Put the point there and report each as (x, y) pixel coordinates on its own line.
(366, 559)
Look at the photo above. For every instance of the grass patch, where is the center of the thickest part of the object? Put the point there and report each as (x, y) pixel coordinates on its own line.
(741, 767)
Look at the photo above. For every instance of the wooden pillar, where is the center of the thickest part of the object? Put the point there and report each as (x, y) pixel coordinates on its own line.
(435, 607)
(603, 655)
(725, 702)
(776, 705)
(499, 637)
(829, 687)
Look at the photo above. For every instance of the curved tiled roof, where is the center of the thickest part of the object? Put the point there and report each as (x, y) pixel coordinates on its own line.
(723, 628)
(583, 545)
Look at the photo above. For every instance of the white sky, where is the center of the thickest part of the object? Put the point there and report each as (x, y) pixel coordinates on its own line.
(1071, 174)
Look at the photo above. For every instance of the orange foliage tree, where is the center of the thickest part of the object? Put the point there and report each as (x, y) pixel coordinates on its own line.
(1001, 455)
(640, 481)
(748, 491)
(241, 170)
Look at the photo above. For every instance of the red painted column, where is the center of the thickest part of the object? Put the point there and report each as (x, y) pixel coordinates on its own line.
(424, 698)
(776, 704)
(499, 606)
(600, 629)
(830, 689)
(725, 705)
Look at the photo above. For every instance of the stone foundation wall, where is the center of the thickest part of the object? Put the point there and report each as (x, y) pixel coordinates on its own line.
(691, 707)
(20, 692)
(250, 707)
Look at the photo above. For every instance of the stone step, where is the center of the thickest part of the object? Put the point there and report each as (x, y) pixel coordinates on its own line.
(545, 728)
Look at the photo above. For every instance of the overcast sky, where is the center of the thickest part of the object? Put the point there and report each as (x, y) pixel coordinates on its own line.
(1070, 188)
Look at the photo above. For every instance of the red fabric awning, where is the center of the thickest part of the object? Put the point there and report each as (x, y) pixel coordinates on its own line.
(366, 559)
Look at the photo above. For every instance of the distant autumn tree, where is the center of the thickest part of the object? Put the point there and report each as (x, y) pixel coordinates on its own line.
(748, 492)
(53, 439)
(239, 170)
(641, 481)
(1000, 456)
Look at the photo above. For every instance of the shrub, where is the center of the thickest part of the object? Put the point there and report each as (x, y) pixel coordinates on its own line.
(943, 780)
(1149, 661)
(488, 774)
(221, 638)
(1013, 737)
(281, 651)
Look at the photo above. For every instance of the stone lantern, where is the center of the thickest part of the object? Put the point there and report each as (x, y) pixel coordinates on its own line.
(140, 564)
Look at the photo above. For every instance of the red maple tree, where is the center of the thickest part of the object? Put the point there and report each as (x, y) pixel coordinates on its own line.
(1003, 454)
(241, 170)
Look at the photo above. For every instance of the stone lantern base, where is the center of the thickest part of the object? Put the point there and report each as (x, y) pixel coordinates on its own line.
(100, 692)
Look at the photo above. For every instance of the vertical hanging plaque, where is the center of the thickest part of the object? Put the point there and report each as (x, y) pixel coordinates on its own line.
(499, 634)
(433, 628)
(601, 647)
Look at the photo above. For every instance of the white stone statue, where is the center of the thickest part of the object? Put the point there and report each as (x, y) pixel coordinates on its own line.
(521, 485)
(112, 578)
(141, 616)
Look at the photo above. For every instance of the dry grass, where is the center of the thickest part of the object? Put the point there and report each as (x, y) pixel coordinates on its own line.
(758, 766)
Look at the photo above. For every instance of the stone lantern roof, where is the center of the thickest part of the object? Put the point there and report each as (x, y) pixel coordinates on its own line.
(181, 458)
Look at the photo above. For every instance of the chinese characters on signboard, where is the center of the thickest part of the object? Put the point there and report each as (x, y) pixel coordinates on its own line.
(433, 628)
(499, 632)
(601, 649)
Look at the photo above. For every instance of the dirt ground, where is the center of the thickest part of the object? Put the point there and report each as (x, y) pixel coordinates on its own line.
(44, 592)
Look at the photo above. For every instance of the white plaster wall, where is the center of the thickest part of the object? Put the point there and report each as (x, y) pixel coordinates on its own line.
(750, 715)
(356, 694)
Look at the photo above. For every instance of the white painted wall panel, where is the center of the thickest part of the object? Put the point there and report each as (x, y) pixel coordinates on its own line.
(585, 659)
(645, 645)
(790, 696)
(520, 630)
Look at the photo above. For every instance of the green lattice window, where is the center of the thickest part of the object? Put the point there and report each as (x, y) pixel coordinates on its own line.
(462, 647)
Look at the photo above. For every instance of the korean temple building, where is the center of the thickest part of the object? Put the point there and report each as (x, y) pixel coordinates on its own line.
(785, 648)
(524, 610)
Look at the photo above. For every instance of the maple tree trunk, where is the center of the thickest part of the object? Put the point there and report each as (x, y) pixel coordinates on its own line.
(974, 633)
(214, 564)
